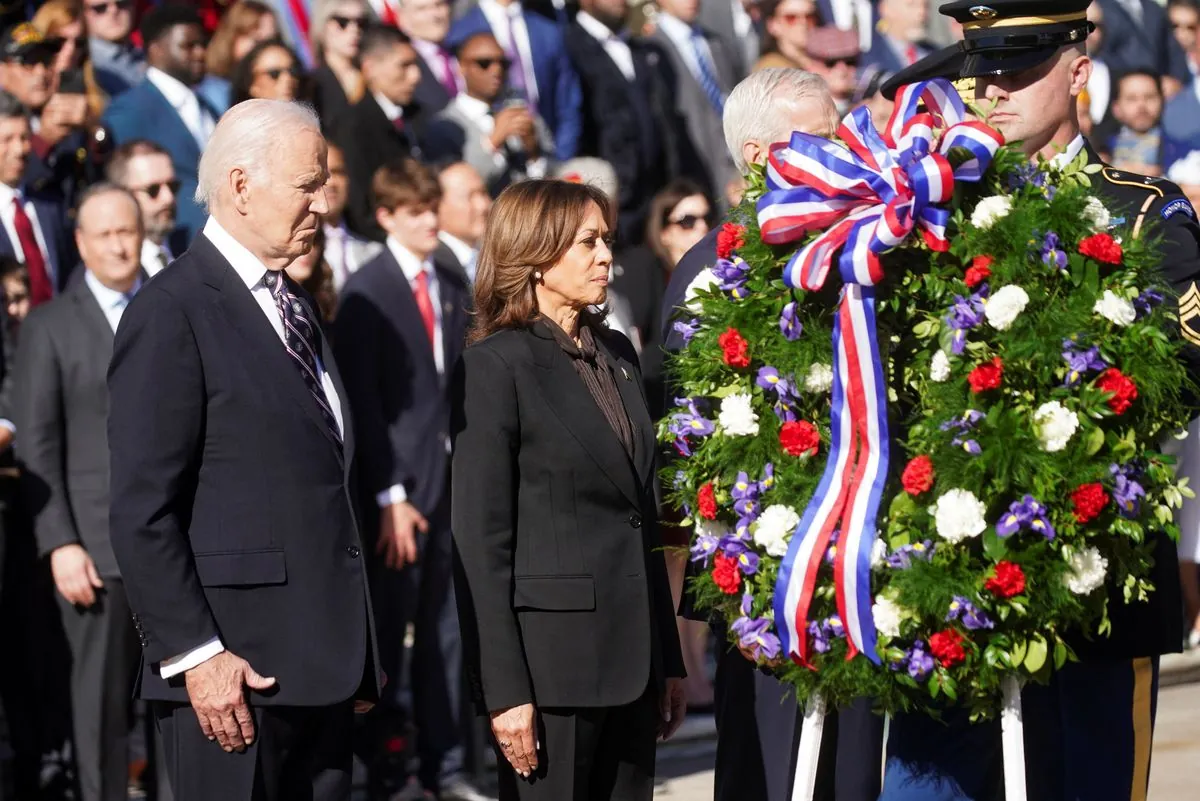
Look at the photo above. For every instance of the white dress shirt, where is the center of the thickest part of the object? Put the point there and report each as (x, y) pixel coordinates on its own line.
(680, 34)
(849, 15)
(498, 19)
(7, 216)
(390, 109)
(616, 47)
(186, 104)
(432, 53)
(412, 267)
(466, 255)
(341, 253)
(251, 271)
(154, 257)
(112, 302)
(479, 114)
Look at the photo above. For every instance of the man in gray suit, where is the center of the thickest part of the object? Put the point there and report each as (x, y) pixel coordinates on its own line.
(700, 73)
(502, 138)
(61, 414)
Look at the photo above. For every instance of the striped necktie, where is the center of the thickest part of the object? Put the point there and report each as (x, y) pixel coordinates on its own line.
(708, 76)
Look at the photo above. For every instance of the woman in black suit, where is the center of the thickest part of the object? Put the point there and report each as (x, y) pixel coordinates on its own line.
(568, 629)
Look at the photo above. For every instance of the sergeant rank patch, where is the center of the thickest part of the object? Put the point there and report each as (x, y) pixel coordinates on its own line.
(1189, 315)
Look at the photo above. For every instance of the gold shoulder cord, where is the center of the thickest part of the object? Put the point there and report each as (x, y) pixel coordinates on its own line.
(1110, 175)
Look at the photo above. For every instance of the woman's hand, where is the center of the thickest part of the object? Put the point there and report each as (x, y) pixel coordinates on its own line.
(514, 730)
(672, 708)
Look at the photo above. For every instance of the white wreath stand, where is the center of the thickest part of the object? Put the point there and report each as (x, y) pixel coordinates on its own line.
(1011, 734)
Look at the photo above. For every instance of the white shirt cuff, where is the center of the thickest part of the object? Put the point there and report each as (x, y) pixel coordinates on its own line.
(185, 662)
(393, 494)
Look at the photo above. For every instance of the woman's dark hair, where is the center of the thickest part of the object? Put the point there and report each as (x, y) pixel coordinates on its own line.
(530, 228)
(242, 77)
(667, 199)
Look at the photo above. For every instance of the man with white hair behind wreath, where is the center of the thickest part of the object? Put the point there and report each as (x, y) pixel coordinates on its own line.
(232, 517)
(758, 720)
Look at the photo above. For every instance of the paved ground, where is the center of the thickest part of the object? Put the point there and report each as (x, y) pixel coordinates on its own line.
(686, 769)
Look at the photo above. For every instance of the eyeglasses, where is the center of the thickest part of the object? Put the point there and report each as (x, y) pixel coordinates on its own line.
(830, 63)
(1183, 26)
(153, 189)
(278, 72)
(792, 19)
(346, 22)
(687, 222)
(100, 9)
(488, 63)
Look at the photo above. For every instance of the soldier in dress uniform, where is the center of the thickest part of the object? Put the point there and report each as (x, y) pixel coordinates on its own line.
(1088, 733)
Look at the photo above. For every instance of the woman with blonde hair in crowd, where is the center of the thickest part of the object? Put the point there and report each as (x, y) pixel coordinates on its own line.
(246, 24)
(337, 29)
(63, 20)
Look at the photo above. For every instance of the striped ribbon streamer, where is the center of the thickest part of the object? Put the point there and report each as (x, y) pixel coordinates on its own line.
(867, 196)
(295, 15)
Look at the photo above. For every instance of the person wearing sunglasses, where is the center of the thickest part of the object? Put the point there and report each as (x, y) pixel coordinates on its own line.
(833, 54)
(246, 24)
(119, 63)
(337, 29)
(786, 24)
(270, 71)
(145, 169)
(27, 66)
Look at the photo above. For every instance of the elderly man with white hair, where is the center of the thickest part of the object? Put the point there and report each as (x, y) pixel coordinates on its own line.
(233, 517)
(758, 721)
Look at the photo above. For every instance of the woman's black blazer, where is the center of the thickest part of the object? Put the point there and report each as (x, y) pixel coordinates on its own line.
(560, 577)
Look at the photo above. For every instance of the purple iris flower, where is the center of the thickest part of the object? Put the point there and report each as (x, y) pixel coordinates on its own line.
(789, 325)
(768, 378)
(1080, 362)
(903, 558)
(768, 479)
(1145, 302)
(918, 660)
(965, 314)
(1026, 513)
(819, 636)
(737, 549)
(689, 423)
(831, 551)
(970, 615)
(731, 276)
(1027, 175)
(1052, 254)
(833, 625)
(745, 496)
(742, 529)
(680, 480)
(686, 329)
(962, 426)
(1128, 494)
(755, 633)
(705, 546)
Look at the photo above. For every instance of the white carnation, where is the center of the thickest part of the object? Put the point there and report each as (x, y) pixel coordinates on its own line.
(712, 528)
(1055, 425)
(1115, 309)
(705, 281)
(990, 209)
(879, 552)
(737, 417)
(1088, 569)
(819, 379)
(1004, 305)
(958, 515)
(1095, 213)
(774, 528)
(939, 368)
(887, 615)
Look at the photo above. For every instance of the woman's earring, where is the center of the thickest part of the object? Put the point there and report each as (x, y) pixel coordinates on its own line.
(537, 275)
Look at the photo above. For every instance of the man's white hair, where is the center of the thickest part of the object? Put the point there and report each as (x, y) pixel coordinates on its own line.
(247, 137)
(759, 108)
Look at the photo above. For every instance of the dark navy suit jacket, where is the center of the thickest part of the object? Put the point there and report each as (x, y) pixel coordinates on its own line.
(559, 94)
(60, 244)
(143, 113)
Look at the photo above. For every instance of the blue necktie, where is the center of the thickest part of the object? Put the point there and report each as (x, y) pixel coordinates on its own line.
(708, 77)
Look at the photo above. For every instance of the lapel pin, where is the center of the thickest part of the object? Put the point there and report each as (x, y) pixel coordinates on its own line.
(625, 373)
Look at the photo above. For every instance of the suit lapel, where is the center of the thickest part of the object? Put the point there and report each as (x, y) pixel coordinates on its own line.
(167, 115)
(264, 348)
(47, 215)
(92, 317)
(406, 314)
(454, 299)
(630, 387)
(575, 408)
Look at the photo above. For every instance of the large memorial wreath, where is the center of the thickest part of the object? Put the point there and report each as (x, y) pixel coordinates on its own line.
(1010, 333)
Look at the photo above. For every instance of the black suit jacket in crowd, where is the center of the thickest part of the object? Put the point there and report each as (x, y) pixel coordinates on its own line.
(560, 578)
(60, 408)
(430, 95)
(631, 125)
(401, 404)
(369, 140)
(233, 507)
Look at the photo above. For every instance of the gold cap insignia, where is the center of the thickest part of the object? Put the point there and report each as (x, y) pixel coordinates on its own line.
(966, 89)
(984, 12)
(1189, 314)
(25, 34)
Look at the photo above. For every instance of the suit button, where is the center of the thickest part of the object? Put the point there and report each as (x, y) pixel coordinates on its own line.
(635, 521)
(353, 551)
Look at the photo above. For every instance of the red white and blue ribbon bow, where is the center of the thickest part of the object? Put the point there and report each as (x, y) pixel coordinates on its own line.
(867, 196)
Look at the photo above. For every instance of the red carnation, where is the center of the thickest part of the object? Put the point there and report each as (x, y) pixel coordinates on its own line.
(918, 475)
(706, 502)
(1124, 391)
(1089, 501)
(986, 376)
(1007, 580)
(979, 271)
(730, 238)
(725, 573)
(737, 350)
(799, 437)
(1103, 248)
(947, 646)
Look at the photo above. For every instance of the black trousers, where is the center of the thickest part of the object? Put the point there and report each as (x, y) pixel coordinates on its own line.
(299, 754)
(104, 659)
(590, 754)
